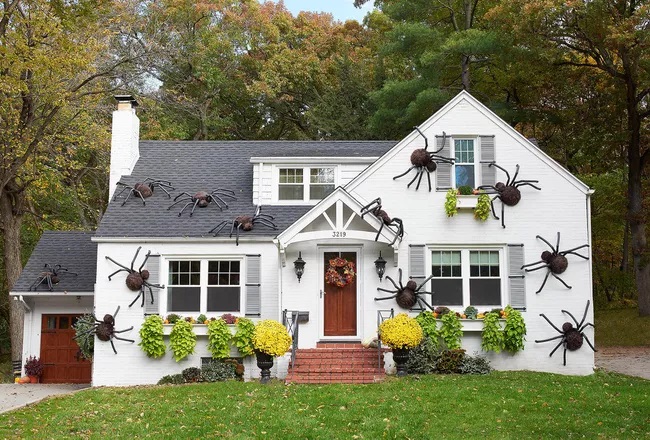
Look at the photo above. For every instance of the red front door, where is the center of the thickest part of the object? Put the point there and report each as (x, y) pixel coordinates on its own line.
(340, 308)
(60, 353)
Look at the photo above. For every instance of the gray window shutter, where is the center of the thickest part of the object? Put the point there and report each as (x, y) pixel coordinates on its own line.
(488, 173)
(253, 285)
(417, 269)
(443, 170)
(516, 280)
(153, 266)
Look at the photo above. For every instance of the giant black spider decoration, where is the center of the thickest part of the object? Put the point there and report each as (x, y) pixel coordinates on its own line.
(136, 280)
(508, 192)
(105, 330)
(202, 199)
(424, 161)
(406, 296)
(144, 190)
(555, 261)
(571, 337)
(50, 276)
(374, 208)
(245, 223)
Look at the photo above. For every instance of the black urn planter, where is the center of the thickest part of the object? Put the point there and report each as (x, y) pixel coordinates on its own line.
(264, 363)
(401, 357)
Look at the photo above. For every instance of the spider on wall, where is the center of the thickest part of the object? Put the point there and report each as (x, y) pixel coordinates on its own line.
(105, 330)
(136, 280)
(407, 296)
(374, 208)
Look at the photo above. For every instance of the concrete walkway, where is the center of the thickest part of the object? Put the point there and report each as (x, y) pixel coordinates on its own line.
(13, 396)
(633, 361)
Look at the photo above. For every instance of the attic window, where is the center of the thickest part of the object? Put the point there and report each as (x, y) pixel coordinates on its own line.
(305, 184)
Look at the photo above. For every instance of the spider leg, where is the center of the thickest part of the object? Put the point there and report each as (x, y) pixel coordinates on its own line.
(146, 257)
(182, 194)
(194, 207)
(385, 290)
(136, 298)
(492, 206)
(175, 203)
(151, 294)
(545, 241)
(549, 339)
(528, 184)
(532, 264)
(574, 253)
(157, 286)
(512, 181)
(265, 216)
(118, 271)
(557, 246)
(421, 300)
(219, 227)
(393, 282)
(94, 327)
(565, 356)
(186, 205)
(572, 250)
(128, 196)
(219, 201)
(584, 316)
(237, 234)
(418, 174)
(399, 271)
(404, 173)
(135, 257)
(537, 268)
(124, 188)
(423, 283)
(589, 342)
(116, 312)
(232, 228)
(139, 194)
(440, 159)
(379, 231)
(552, 325)
(572, 317)
(561, 280)
(49, 282)
(113, 345)
(556, 347)
(386, 297)
(265, 222)
(429, 180)
(483, 187)
(544, 282)
(371, 206)
(502, 169)
(35, 285)
(122, 331)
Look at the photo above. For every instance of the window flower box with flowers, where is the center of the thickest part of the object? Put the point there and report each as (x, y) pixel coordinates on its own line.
(467, 198)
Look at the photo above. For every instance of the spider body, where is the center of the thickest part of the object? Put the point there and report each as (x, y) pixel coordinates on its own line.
(555, 261)
(424, 162)
(245, 223)
(144, 190)
(50, 276)
(406, 296)
(374, 208)
(136, 280)
(508, 192)
(202, 199)
(105, 330)
(571, 337)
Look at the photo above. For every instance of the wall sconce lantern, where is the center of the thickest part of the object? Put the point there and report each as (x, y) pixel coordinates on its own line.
(299, 266)
(380, 267)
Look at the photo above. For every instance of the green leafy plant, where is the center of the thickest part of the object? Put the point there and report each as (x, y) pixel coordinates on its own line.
(191, 374)
(172, 379)
(201, 319)
(271, 338)
(182, 340)
(442, 310)
(474, 365)
(482, 209)
(217, 371)
(172, 318)
(219, 339)
(492, 335)
(401, 331)
(471, 312)
(243, 337)
(450, 361)
(423, 359)
(429, 327)
(515, 331)
(451, 330)
(465, 190)
(151, 337)
(85, 340)
(451, 200)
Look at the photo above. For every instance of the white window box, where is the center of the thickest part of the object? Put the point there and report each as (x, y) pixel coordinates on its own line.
(475, 325)
(466, 202)
(199, 329)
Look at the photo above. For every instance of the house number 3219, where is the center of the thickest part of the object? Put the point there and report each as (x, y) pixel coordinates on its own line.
(338, 234)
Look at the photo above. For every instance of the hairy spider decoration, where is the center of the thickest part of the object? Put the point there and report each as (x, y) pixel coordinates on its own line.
(406, 296)
(555, 261)
(508, 192)
(144, 190)
(424, 161)
(374, 208)
(245, 223)
(136, 280)
(50, 276)
(571, 337)
(105, 330)
(203, 199)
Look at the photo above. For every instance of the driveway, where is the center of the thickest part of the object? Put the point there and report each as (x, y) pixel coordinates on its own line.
(14, 396)
(633, 361)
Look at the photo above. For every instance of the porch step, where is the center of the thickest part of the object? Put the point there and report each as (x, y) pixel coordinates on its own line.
(336, 365)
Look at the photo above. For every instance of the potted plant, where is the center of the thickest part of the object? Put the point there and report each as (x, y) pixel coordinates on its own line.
(33, 369)
(271, 339)
(401, 333)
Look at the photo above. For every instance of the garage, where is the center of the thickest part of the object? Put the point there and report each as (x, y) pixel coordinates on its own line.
(60, 353)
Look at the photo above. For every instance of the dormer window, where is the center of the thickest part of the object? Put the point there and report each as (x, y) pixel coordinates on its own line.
(465, 168)
(305, 184)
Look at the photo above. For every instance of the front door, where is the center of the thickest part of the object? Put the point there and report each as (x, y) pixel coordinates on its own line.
(340, 303)
(60, 353)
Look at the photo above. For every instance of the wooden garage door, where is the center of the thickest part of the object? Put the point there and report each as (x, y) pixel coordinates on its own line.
(60, 353)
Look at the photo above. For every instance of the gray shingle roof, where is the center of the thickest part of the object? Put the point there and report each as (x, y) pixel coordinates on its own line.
(205, 166)
(72, 250)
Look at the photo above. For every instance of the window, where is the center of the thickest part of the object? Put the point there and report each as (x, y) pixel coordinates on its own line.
(293, 184)
(202, 286)
(466, 277)
(464, 167)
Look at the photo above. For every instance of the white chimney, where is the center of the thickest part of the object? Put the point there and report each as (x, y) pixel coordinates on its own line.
(125, 140)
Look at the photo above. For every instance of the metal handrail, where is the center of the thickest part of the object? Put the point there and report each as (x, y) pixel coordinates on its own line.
(382, 315)
(292, 323)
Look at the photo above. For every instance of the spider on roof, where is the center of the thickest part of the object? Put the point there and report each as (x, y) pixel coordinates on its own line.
(144, 190)
(202, 199)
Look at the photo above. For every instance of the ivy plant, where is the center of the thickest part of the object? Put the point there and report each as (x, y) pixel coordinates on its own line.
(243, 337)
(85, 340)
(451, 330)
(219, 339)
(182, 340)
(492, 336)
(482, 210)
(515, 331)
(429, 327)
(451, 200)
(151, 337)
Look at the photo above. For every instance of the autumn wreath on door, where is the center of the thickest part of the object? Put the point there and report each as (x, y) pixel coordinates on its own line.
(340, 272)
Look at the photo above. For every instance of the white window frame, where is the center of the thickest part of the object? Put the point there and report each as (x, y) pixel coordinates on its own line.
(203, 285)
(465, 273)
(477, 159)
(306, 173)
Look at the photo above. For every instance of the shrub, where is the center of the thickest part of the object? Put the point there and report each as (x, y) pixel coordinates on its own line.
(492, 335)
(201, 319)
(33, 366)
(191, 374)
(401, 332)
(482, 210)
(229, 318)
(429, 327)
(451, 330)
(423, 359)
(173, 379)
(465, 190)
(172, 318)
(216, 371)
(451, 200)
(474, 365)
(151, 337)
(271, 338)
(86, 342)
(182, 340)
(219, 339)
(515, 331)
(243, 337)
(450, 361)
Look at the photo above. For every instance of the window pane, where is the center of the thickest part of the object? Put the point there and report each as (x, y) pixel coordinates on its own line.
(213, 266)
(465, 175)
(318, 192)
(455, 257)
(223, 299)
(184, 279)
(195, 279)
(183, 299)
(234, 266)
(436, 259)
(494, 271)
(291, 175)
(447, 292)
(196, 266)
(484, 271)
(473, 257)
(494, 258)
(51, 322)
(446, 271)
(64, 322)
(212, 278)
(291, 192)
(436, 271)
(224, 266)
(223, 279)
(184, 266)
(446, 258)
(473, 271)
(322, 175)
(484, 258)
(456, 271)
(173, 279)
(485, 292)
(234, 279)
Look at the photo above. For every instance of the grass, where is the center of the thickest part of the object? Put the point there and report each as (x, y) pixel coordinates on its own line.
(502, 405)
(621, 327)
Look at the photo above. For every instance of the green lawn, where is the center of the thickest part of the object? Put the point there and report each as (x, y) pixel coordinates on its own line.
(502, 405)
(621, 327)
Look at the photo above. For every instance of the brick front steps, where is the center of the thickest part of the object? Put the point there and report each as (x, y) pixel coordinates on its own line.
(336, 363)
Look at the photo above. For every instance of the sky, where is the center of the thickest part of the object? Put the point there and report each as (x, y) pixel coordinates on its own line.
(341, 9)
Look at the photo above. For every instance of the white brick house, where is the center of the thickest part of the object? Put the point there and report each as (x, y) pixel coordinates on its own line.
(315, 192)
